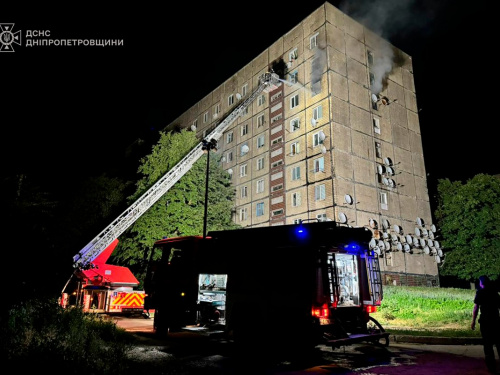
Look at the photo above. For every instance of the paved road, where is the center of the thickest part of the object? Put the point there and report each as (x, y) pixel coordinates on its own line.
(186, 353)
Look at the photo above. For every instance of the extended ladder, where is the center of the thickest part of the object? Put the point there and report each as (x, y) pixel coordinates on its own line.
(267, 82)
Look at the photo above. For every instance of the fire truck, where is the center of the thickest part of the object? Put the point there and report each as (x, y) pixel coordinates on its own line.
(104, 288)
(291, 286)
(100, 287)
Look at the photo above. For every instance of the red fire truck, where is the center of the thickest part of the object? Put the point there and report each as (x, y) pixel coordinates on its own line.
(296, 285)
(104, 288)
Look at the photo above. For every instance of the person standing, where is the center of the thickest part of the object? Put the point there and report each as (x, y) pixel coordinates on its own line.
(487, 303)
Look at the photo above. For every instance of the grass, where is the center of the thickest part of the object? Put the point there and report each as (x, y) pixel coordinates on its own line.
(427, 311)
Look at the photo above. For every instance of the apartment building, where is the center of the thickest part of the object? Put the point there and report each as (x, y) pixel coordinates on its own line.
(338, 139)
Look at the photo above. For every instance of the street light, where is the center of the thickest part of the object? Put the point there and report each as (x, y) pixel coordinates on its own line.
(207, 147)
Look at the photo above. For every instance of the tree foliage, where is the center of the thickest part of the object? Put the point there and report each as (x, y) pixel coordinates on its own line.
(180, 211)
(468, 216)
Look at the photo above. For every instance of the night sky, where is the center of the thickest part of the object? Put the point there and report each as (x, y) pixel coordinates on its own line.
(72, 111)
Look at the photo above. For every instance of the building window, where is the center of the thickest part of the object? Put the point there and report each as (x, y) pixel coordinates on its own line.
(229, 137)
(195, 124)
(319, 192)
(313, 41)
(296, 199)
(278, 187)
(217, 110)
(229, 157)
(260, 141)
(293, 78)
(370, 58)
(243, 192)
(244, 149)
(261, 100)
(294, 101)
(244, 129)
(295, 173)
(319, 165)
(260, 164)
(243, 214)
(244, 89)
(318, 113)
(276, 163)
(374, 105)
(205, 117)
(376, 125)
(278, 212)
(230, 100)
(294, 124)
(383, 201)
(372, 79)
(259, 209)
(317, 139)
(293, 54)
(378, 150)
(321, 217)
(260, 186)
(261, 121)
(277, 140)
(297, 221)
(294, 148)
(243, 170)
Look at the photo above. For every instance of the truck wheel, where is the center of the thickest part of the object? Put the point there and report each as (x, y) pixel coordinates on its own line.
(375, 328)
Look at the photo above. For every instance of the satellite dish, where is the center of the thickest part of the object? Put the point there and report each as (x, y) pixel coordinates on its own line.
(416, 242)
(417, 231)
(385, 235)
(230, 171)
(372, 243)
(422, 242)
(408, 239)
(374, 98)
(385, 181)
(387, 161)
(323, 150)
(437, 245)
(322, 135)
(431, 235)
(427, 250)
(420, 221)
(381, 245)
(390, 170)
(433, 228)
(407, 248)
(391, 182)
(342, 218)
(430, 242)
(387, 245)
(380, 169)
(238, 96)
(440, 252)
(433, 251)
(399, 246)
(425, 232)
(193, 127)
(376, 250)
(397, 229)
(314, 122)
(437, 258)
(245, 149)
(348, 199)
(386, 224)
(373, 223)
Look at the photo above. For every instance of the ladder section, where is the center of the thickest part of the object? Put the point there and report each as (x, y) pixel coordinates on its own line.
(375, 279)
(267, 82)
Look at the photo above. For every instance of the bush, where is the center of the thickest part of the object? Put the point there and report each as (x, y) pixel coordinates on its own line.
(42, 335)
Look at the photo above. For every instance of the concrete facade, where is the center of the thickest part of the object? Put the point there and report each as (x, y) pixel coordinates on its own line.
(321, 146)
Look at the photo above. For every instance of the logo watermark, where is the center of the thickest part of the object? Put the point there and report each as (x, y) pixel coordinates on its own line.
(8, 38)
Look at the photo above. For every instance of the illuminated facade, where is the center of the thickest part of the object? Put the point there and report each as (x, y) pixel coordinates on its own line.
(339, 140)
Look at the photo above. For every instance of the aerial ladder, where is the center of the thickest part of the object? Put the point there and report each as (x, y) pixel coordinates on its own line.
(83, 260)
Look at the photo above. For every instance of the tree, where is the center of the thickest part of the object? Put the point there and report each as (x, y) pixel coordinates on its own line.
(468, 216)
(180, 211)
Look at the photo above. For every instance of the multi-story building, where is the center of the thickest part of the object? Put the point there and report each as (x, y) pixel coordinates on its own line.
(339, 139)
